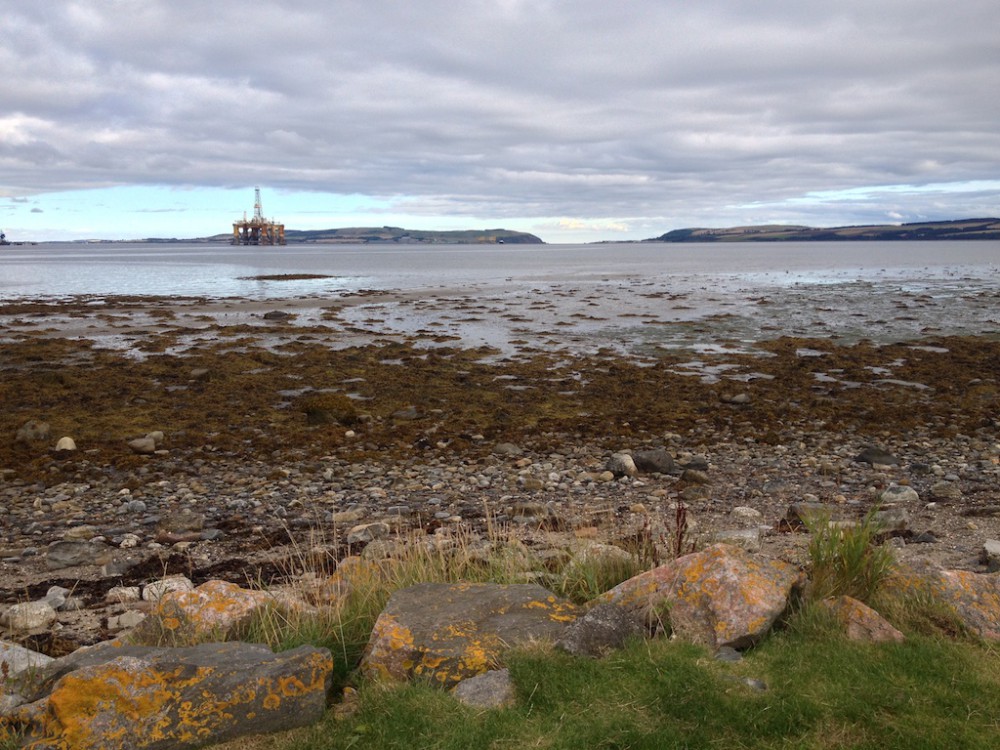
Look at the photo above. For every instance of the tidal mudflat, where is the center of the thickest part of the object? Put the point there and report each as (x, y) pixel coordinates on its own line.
(300, 423)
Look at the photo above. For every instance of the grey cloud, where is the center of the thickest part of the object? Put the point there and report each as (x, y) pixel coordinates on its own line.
(506, 108)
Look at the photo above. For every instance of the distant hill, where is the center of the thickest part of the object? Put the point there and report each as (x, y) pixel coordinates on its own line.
(960, 229)
(399, 236)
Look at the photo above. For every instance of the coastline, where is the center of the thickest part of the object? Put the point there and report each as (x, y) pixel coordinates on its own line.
(273, 437)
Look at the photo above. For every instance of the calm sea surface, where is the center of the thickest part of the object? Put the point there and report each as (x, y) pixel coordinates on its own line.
(633, 298)
(226, 271)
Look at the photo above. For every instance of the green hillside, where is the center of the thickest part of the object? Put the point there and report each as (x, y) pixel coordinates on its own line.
(961, 229)
(402, 236)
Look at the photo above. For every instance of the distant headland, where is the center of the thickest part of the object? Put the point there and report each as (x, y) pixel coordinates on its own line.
(958, 229)
(373, 236)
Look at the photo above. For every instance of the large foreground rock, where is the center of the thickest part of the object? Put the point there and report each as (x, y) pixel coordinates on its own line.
(448, 632)
(721, 596)
(973, 597)
(127, 698)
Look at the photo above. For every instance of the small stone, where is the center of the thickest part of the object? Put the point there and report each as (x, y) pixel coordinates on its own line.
(737, 399)
(748, 539)
(728, 654)
(899, 493)
(695, 476)
(367, 532)
(126, 620)
(155, 591)
(656, 461)
(80, 533)
(991, 555)
(32, 431)
(622, 465)
(493, 689)
(144, 446)
(69, 553)
(876, 456)
(604, 628)
(56, 596)
(893, 519)
(15, 659)
(123, 594)
(507, 449)
(65, 444)
(129, 541)
(861, 622)
(746, 514)
(347, 516)
(29, 616)
(946, 491)
(809, 513)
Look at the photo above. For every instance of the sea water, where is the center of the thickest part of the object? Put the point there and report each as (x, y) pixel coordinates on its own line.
(631, 296)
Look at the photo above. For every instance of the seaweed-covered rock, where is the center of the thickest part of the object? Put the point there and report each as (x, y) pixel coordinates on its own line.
(721, 596)
(449, 632)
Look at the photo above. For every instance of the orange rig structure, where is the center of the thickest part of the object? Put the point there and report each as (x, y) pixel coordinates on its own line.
(258, 230)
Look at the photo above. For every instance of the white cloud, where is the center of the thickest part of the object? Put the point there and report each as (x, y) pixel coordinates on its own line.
(664, 113)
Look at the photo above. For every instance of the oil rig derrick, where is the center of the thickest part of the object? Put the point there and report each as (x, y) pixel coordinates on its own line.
(258, 230)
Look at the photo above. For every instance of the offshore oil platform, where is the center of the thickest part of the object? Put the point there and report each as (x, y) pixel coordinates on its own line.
(258, 230)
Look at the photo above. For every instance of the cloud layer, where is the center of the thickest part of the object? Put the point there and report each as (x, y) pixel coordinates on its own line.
(643, 114)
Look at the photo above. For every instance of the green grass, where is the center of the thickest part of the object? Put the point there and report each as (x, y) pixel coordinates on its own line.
(822, 693)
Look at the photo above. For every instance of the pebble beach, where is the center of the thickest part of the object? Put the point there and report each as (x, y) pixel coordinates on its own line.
(220, 439)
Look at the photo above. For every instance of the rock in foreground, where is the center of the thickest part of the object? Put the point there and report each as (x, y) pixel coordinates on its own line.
(449, 632)
(721, 596)
(158, 698)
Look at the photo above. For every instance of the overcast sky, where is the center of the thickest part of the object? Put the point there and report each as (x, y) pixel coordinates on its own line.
(577, 120)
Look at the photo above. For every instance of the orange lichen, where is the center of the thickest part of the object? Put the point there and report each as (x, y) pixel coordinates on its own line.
(137, 703)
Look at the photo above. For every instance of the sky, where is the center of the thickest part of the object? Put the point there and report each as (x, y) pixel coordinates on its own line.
(576, 120)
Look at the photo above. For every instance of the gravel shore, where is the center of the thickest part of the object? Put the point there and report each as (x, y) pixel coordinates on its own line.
(256, 453)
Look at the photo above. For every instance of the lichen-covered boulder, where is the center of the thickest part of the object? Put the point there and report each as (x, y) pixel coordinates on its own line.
(448, 632)
(973, 597)
(720, 596)
(133, 698)
(215, 610)
(861, 622)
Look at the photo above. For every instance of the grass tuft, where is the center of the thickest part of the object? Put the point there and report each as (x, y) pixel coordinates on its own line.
(848, 560)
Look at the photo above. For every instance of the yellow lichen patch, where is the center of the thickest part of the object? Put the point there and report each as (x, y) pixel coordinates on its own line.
(168, 701)
(126, 687)
(272, 701)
